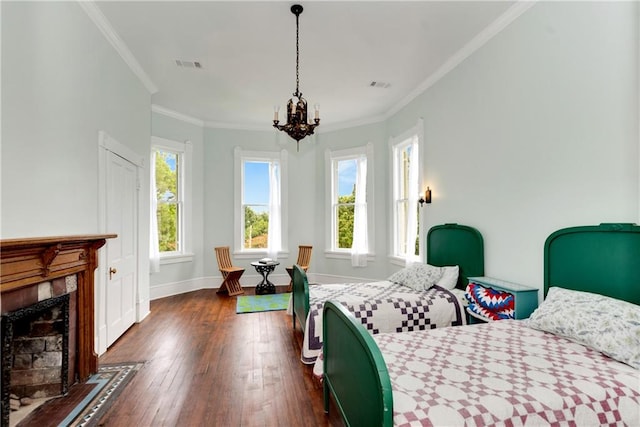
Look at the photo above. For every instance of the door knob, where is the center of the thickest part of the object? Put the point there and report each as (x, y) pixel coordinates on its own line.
(112, 271)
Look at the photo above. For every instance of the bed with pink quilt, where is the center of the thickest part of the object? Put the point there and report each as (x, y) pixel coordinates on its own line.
(575, 361)
(422, 296)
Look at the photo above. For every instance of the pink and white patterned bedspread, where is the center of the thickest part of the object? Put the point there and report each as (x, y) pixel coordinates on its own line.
(504, 373)
(381, 307)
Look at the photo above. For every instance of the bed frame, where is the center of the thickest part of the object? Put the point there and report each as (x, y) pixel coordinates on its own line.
(580, 258)
(447, 244)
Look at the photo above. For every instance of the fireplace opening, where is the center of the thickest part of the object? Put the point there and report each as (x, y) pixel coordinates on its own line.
(35, 353)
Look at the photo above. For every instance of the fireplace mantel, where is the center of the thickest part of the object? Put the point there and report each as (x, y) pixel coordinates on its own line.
(25, 263)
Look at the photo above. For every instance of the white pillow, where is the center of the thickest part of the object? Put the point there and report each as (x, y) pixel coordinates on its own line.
(609, 325)
(417, 276)
(449, 278)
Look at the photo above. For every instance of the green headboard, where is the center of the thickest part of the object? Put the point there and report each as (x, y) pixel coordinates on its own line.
(603, 258)
(454, 244)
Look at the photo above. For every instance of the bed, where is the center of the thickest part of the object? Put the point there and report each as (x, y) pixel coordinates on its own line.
(548, 369)
(387, 306)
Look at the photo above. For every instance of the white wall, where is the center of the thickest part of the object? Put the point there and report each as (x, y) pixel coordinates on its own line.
(62, 83)
(536, 131)
(219, 145)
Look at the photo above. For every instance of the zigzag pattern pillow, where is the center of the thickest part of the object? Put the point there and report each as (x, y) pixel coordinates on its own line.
(490, 303)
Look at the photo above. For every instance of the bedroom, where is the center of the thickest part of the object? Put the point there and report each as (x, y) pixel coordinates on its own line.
(536, 130)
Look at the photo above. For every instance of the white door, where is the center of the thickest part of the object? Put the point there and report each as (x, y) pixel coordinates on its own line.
(121, 218)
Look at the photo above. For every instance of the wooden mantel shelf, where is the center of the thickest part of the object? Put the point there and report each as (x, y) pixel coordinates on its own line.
(30, 261)
(33, 260)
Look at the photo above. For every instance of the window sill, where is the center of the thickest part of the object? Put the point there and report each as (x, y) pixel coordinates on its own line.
(346, 255)
(396, 260)
(176, 258)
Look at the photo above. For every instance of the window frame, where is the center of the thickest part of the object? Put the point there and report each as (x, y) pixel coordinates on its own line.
(396, 144)
(240, 157)
(331, 174)
(184, 158)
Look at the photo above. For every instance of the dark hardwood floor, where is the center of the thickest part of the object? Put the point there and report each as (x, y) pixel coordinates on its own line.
(205, 365)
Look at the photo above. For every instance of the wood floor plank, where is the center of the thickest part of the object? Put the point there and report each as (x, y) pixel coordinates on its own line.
(207, 365)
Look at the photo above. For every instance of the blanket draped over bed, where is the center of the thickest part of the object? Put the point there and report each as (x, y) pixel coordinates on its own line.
(505, 373)
(381, 307)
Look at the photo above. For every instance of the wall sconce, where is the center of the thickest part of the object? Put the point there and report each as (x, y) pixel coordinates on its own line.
(426, 198)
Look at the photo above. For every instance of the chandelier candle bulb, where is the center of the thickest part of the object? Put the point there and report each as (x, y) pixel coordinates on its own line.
(317, 113)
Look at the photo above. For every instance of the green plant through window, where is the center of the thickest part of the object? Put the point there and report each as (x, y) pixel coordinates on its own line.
(344, 205)
(168, 196)
(256, 204)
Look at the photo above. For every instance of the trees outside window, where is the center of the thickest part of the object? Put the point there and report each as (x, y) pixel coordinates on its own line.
(344, 207)
(255, 196)
(170, 219)
(169, 199)
(342, 168)
(260, 201)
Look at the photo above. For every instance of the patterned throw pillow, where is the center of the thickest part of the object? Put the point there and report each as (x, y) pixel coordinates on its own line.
(490, 303)
(605, 324)
(417, 276)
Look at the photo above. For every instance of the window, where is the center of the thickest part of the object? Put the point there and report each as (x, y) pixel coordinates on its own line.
(344, 201)
(255, 203)
(171, 188)
(169, 197)
(348, 201)
(260, 198)
(405, 155)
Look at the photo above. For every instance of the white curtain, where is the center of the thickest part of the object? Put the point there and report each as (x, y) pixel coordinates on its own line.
(359, 246)
(154, 244)
(412, 205)
(274, 239)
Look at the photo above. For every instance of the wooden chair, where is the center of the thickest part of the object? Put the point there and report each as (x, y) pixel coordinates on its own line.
(304, 258)
(230, 274)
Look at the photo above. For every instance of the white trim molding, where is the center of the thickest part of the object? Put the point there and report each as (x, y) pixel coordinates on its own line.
(176, 115)
(105, 27)
(493, 29)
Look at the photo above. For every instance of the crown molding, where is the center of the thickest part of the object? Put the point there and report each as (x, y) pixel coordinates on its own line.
(352, 124)
(176, 115)
(466, 51)
(515, 11)
(103, 24)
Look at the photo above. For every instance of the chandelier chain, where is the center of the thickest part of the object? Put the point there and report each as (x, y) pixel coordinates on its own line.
(297, 57)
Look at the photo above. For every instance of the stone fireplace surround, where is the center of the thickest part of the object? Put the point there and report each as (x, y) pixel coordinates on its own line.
(33, 270)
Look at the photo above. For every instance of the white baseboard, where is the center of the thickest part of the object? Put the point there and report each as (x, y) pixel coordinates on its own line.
(247, 281)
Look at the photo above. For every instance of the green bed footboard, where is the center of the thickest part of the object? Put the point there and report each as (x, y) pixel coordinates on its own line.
(354, 370)
(300, 295)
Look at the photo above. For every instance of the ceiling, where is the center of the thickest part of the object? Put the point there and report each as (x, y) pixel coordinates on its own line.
(247, 53)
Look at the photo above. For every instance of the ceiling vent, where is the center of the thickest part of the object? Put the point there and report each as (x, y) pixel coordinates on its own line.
(382, 85)
(188, 64)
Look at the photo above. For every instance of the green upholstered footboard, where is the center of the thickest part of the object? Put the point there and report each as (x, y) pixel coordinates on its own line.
(354, 370)
(300, 295)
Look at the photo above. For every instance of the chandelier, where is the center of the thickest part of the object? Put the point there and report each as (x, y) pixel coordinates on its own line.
(297, 126)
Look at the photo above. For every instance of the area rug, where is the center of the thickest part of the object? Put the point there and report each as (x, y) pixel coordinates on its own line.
(97, 395)
(257, 303)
